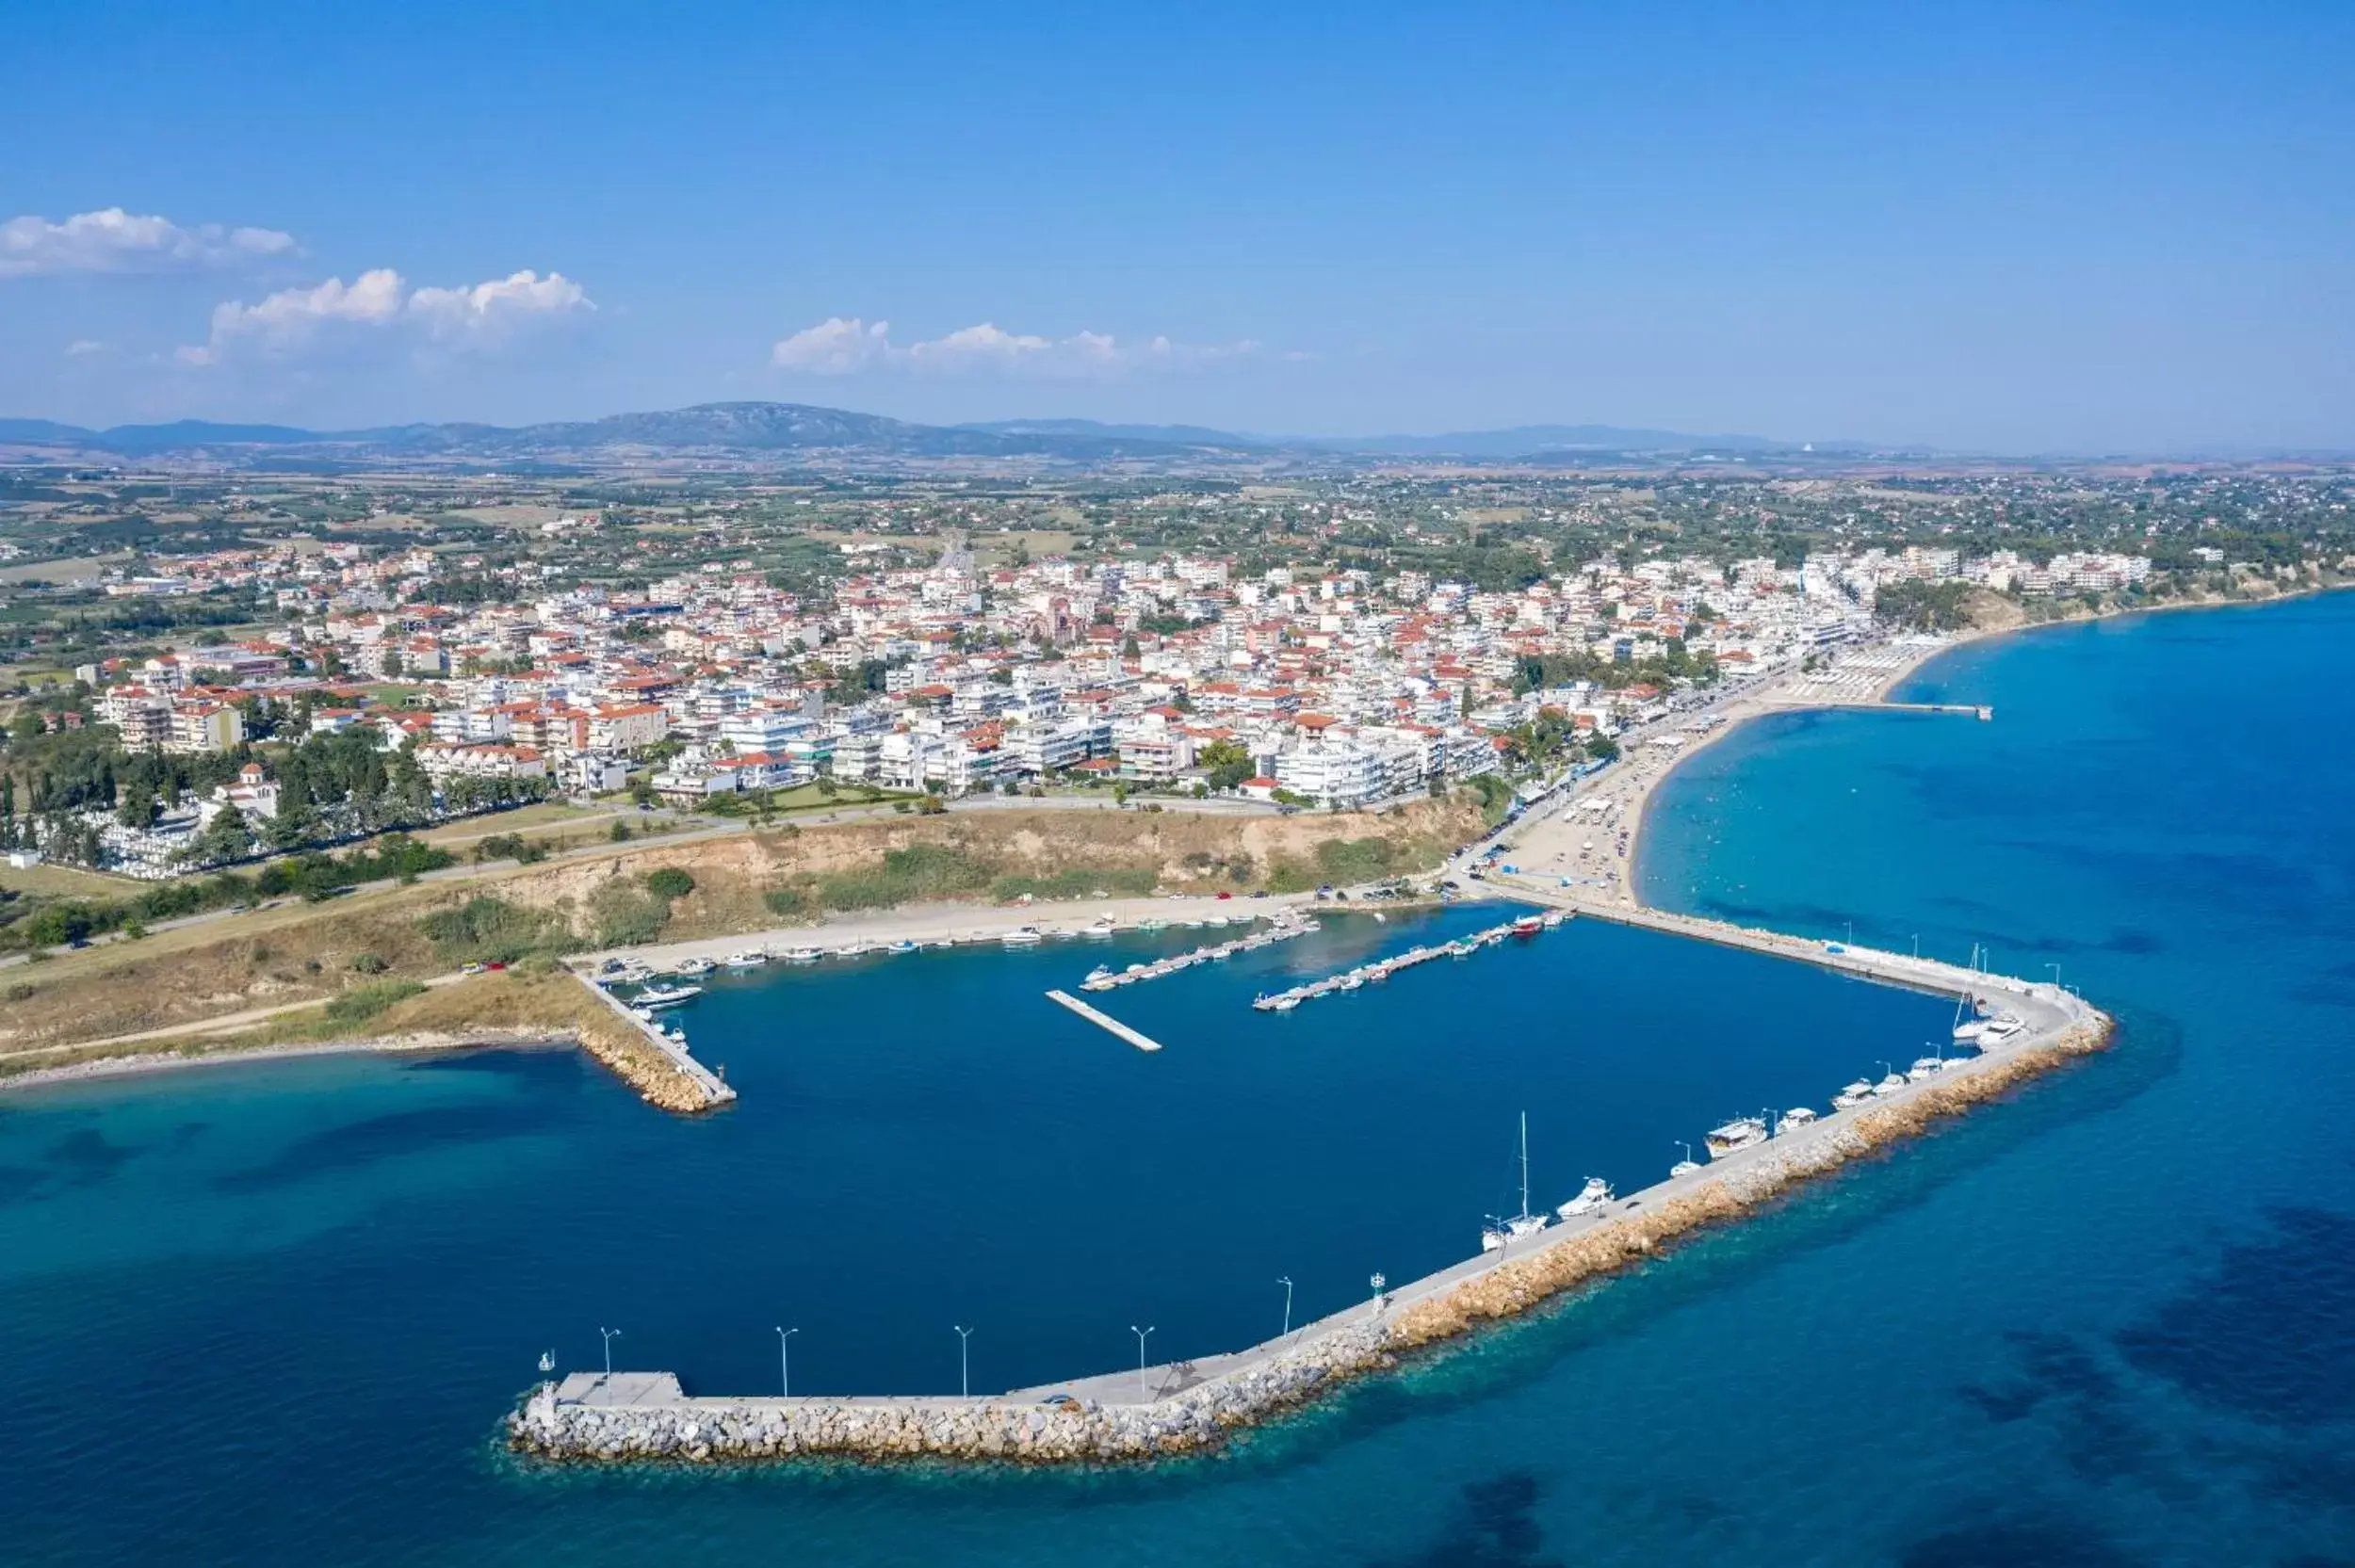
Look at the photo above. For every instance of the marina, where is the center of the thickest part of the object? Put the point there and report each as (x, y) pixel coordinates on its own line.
(1189, 1404)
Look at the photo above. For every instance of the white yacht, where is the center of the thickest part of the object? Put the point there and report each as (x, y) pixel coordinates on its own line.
(1890, 1083)
(1028, 936)
(666, 995)
(1925, 1069)
(1591, 1197)
(2000, 1031)
(1519, 1225)
(1100, 931)
(803, 955)
(1797, 1119)
(1740, 1133)
(693, 967)
(1855, 1095)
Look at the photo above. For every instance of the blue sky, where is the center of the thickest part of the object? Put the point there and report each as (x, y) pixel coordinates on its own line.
(2005, 227)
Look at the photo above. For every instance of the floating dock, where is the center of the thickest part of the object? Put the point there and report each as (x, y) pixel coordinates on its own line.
(1284, 930)
(1104, 1020)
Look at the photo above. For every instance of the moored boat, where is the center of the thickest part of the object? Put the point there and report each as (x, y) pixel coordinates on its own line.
(1591, 1197)
(1738, 1134)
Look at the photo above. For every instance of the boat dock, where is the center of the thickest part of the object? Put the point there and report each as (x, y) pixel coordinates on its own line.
(1381, 969)
(714, 1087)
(1284, 930)
(1104, 1020)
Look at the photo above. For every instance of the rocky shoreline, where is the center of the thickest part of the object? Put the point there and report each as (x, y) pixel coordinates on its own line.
(657, 1423)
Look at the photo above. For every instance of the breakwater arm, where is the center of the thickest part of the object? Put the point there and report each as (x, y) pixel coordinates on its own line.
(649, 1061)
(1187, 1407)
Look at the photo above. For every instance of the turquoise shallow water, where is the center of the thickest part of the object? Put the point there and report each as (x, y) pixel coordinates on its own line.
(270, 1314)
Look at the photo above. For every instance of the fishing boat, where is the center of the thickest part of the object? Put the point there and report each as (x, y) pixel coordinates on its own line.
(1027, 936)
(1855, 1095)
(1554, 919)
(1797, 1119)
(668, 995)
(1925, 1069)
(1529, 925)
(693, 967)
(901, 947)
(1890, 1083)
(1519, 1225)
(2000, 1031)
(1591, 1197)
(750, 959)
(1101, 972)
(1150, 926)
(803, 955)
(1740, 1133)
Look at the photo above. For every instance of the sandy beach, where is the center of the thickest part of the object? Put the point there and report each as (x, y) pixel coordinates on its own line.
(1594, 837)
(956, 922)
(230, 1055)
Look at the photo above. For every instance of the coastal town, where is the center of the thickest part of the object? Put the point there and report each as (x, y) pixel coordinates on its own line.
(929, 659)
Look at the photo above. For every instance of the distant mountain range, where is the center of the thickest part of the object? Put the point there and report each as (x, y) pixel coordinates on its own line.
(769, 433)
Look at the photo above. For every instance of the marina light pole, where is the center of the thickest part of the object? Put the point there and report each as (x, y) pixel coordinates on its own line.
(608, 1335)
(964, 1374)
(1378, 1282)
(1142, 1334)
(1851, 925)
(1286, 1283)
(2055, 969)
(1917, 945)
(785, 1361)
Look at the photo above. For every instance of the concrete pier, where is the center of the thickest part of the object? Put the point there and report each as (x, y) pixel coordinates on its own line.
(714, 1088)
(1104, 1020)
(1186, 1406)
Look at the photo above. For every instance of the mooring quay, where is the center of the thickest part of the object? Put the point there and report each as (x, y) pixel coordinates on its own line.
(1185, 1406)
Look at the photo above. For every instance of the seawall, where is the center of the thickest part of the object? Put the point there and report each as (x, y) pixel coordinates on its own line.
(1187, 1407)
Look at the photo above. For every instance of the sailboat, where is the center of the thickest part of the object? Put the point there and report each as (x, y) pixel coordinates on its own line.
(1524, 1224)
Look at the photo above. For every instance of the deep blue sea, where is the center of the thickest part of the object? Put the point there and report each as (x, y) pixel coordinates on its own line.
(270, 1314)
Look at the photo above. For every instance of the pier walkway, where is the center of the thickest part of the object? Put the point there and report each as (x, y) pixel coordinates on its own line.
(1104, 1020)
(715, 1089)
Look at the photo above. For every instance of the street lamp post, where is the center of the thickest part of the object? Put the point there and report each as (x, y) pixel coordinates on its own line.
(1142, 1334)
(1851, 933)
(608, 1335)
(1286, 1283)
(785, 1361)
(1917, 945)
(2055, 969)
(964, 1374)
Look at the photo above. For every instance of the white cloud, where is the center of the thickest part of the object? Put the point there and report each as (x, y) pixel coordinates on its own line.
(843, 345)
(835, 347)
(81, 348)
(113, 240)
(476, 316)
(489, 312)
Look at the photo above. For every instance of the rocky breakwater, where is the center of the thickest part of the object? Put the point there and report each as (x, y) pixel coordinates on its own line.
(645, 1418)
(1514, 1286)
(572, 1422)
